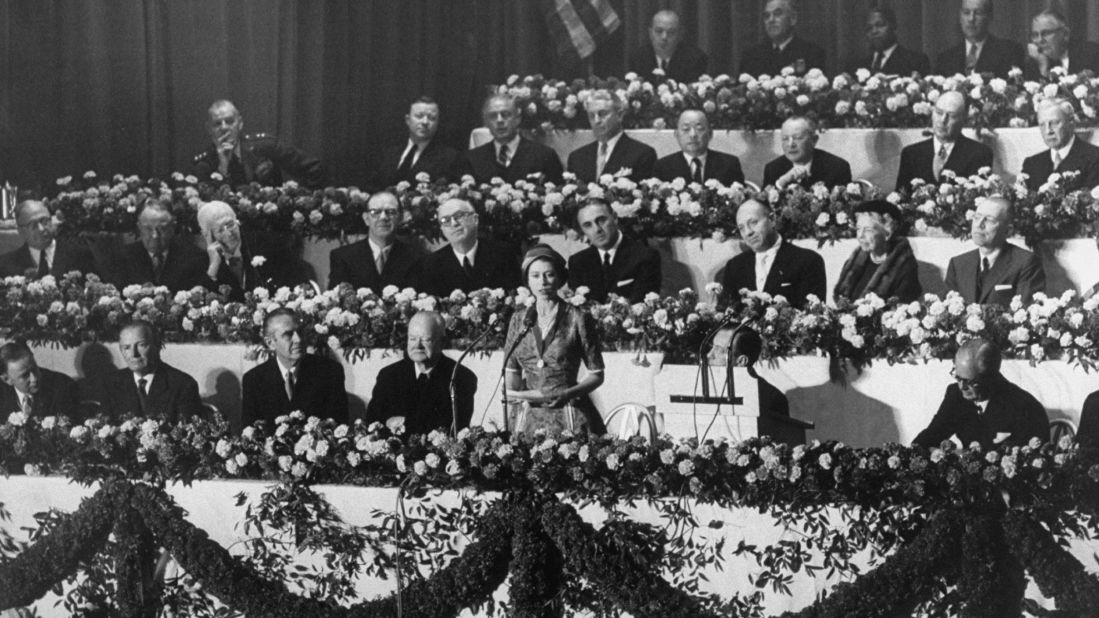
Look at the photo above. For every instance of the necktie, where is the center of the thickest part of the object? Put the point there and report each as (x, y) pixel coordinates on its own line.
(142, 394)
(237, 266)
(158, 267)
(467, 266)
(940, 162)
(405, 169)
(876, 66)
(28, 405)
(1056, 160)
(602, 161)
(981, 277)
(43, 265)
(985, 266)
(379, 261)
(290, 385)
(696, 170)
(607, 284)
(971, 59)
(661, 64)
(502, 158)
(237, 173)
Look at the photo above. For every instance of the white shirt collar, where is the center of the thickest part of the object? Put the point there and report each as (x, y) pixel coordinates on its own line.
(1063, 151)
(611, 143)
(283, 369)
(377, 249)
(770, 252)
(990, 255)
(885, 55)
(979, 45)
(471, 254)
(701, 158)
(50, 251)
(613, 250)
(21, 397)
(782, 45)
(939, 144)
(513, 145)
(416, 155)
(148, 380)
(1064, 62)
(425, 372)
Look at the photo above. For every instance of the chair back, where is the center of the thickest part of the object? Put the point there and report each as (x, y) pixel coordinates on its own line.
(1059, 428)
(631, 419)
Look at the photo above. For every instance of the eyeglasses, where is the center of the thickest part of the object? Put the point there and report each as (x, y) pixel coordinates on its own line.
(967, 382)
(42, 222)
(454, 219)
(227, 226)
(378, 212)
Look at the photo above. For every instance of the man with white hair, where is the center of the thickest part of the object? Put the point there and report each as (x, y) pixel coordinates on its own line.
(468, 263)
(1052, 45)
(947, 149)
(1065, 153)
(42, 253)
(782, 48)
(996, 271)
(802, 162)
(239, 262)
(667, 51)
(612, 151)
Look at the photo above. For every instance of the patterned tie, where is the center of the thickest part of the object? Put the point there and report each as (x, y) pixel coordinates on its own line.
(142, 394)
(405, 169)
(696, 170)
(28, 405)
(971, 58)
(502, 157)
(379, 261)
(940, 162)
(290, 385)
(602, 161)
(43, 265)
(1056, 160)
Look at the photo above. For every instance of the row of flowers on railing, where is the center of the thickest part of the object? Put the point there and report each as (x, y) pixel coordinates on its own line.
(76, 309)
(650, 208)
(862, 100)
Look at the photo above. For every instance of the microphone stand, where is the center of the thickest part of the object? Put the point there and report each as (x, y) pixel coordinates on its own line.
(454, 378)
(703, 363)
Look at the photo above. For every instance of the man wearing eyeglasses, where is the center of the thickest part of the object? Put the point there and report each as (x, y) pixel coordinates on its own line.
(380, 259)
(1051, 46)
(239, 263)
(42, 253)
(158, 257)
(468, 263)
(983, 406)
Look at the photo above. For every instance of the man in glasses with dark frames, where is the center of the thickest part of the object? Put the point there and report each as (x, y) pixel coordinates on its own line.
(983, 406)
(468, 263)
(42, 253)
(379, 259)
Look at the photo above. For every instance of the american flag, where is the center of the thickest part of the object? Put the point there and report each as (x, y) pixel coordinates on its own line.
(577, 26)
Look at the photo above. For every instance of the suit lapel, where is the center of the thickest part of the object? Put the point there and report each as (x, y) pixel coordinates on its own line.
(614, 162)
(967, 274)
(774, 276)
(996, 272)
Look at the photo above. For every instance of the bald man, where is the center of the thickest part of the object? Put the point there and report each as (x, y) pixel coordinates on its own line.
(42, 253)
(666, 51)
(1064, 151)
(695, 161)
(802, 162)
(983, 406)
(947, 149)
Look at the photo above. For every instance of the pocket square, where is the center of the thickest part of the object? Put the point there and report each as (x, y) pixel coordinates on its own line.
(1003, 286)
(625, 282)
(785, 285)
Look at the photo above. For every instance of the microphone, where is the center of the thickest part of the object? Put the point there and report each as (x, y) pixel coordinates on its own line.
(529, 321)
(454, 378)
(702, 349)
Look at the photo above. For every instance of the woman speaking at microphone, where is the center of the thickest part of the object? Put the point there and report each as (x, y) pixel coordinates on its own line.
(549, 340)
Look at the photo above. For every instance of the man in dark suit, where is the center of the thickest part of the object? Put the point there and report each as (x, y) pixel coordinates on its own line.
(782, 48)
(667, 51)
(32, 390)
(379, 259)
(771, 264)
(613, 151)
(290, 379)
(980, 52)
(1052, 46)
(1087, 436)
(695, 162)
(1066, 153)
(996, 271)
(802, 162)
(613, 264)
(148, 386)
(415, 391)
(42, 252)
(983, 406)
(422, 154)
(886, 54)
(468, 263)
(947, 149)
(509, 156)
(241, 159)
(158, 257)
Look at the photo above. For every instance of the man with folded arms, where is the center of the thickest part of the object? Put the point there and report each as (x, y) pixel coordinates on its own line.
(947, 149)
(509, 156)
(980, 52)
(612, 151)
(380, 259)
(771, 264)
(996, 271)
(148, 386)
(782, 47)
(421, 153)
(983, 406)
(613, 264)
(695, 162)
(667, 51)
(802, 162)
(1066, 153)
(468, 263)
(42, 253)
(32, 390)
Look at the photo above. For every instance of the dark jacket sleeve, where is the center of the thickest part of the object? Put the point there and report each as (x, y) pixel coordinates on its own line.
(337, 272)
(814, 281)
(649, 277)
(1088, 434)
(381, 398)
(941, 426)
(336, 404)
(188, 403)
(1032, 278)
(467, 388)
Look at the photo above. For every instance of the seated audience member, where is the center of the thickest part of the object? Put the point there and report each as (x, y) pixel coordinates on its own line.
(468, 263)
(242, 262)
(771, 264)
(1066, 153)
(509, 156)
(1087, 436)
(666, 51)
(947, 149)
(782, 48)
(42, 253)
(159, 257)
(983, 406)
(32, 390)
(291, 379)
(802, 162)
(147, 386)
(883, 263)
(260, 158)
(416, 389)
(746, 346)
(612, 151)
(980, 51)
(886, 54)
(613, 264)
(996, 271)
(1052, 46)
(695, 162)
(421, 153)
(380, 259)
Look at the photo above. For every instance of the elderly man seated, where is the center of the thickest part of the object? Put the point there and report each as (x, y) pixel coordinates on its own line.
(695, 162)
(159, 257)
(801, 161)
(1065, 153)
(947, 149)
(996, 271)
(468, 263)
(148, 386)
(983, 406)
(415, 391)
(883, 263)
(1052, 45)
(42, 253)
(241, 262)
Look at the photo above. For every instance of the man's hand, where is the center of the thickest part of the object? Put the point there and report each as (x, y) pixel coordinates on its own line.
(1039, 58)
(214, 253)
(225, 148)
(795, 174)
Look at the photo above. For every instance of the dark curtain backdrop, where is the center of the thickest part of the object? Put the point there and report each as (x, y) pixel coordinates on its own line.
(123, 85)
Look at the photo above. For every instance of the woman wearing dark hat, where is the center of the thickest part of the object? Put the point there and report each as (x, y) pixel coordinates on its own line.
(883, 263)
(551, 338)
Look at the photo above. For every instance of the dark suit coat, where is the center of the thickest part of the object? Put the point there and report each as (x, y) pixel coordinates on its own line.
(825, 167)
(628, 153)
(1082, 56)
(354, 264)
(917, 160)
(173, 395)
(1087, 436)
(1016, 271)
(396, 394)
(687, 64)
(722, 167)
(437, 160)
(68, 255)
(795, 274)
(1010, 410)
(57, 396)
(771, 400)
(635, 271)
(281, 267)
(1082, 157)
(184, 268)
(263, 160)
(319, 391)
(530, 157)
(998, 56)
(496, 266)
(902, 61)
(799, 53)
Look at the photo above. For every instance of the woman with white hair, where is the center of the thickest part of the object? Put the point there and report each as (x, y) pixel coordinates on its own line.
(883, 263)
